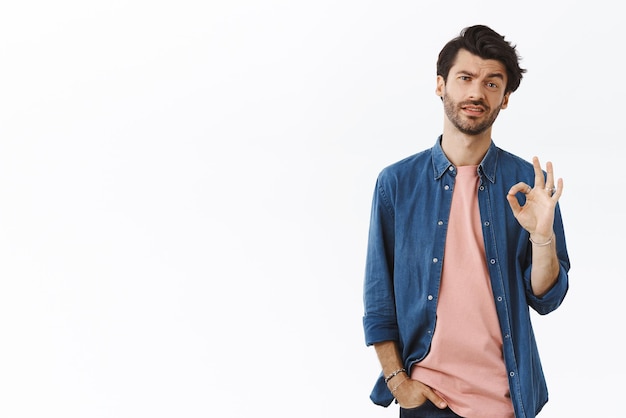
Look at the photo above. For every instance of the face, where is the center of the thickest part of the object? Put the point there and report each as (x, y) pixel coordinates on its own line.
(474, 93)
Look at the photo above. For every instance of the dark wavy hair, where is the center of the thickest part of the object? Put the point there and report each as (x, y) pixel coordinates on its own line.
(486, 43)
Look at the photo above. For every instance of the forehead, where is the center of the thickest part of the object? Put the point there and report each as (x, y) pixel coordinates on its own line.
(467, 62)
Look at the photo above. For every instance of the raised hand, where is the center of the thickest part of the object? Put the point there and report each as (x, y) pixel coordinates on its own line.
(537, 214)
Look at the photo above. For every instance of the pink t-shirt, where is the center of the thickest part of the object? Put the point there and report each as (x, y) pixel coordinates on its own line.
(465, 363)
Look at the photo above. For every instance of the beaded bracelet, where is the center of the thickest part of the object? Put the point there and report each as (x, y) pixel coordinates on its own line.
(394, 374)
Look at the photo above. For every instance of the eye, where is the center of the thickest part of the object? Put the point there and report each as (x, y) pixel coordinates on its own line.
(464, 77)
(492, 85)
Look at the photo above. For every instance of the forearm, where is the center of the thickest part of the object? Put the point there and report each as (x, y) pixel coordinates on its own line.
(545, 264)
(389, 357)
(408, 392)
(392, 365)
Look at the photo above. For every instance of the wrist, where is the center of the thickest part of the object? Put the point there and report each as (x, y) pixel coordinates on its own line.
(541, 240)
(395, 379)
(391, 376)
(395, 385)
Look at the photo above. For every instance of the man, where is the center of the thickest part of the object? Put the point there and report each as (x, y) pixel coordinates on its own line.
(464, 238)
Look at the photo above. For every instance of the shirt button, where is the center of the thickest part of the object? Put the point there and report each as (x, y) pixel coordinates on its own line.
(511, 374)
(435, 260)
(446, 187)
(481, 188)
(451, 168)
(440, 223)
(499, 298)
(487, 223)
(430, 297)
(492, 261)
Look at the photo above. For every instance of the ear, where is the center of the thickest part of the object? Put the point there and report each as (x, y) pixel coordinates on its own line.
(441, 86)
(505, 100)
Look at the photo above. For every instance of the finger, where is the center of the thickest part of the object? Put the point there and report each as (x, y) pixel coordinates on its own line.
(437, 400)
(513, 203)
(511, 197)
(549, 175)
(520, 187)
(539, 178)
(559, 189)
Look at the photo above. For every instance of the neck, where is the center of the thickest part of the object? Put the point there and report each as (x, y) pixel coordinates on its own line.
(462, 149)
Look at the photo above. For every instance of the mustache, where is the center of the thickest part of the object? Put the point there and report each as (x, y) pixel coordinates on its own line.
(474, 103)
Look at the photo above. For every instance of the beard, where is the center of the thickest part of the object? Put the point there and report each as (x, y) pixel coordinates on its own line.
(471, 126)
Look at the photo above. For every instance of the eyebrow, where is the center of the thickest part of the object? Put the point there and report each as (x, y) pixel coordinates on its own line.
(490, 75)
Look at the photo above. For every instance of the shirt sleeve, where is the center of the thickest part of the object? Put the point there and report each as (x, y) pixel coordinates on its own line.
(555, 296)
(379, 320)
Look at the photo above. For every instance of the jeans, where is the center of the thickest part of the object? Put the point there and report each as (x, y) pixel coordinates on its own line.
(427, 410)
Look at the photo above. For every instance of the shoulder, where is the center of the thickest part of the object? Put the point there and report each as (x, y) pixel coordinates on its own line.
(511, 158)
(512, 163)
(408, 167)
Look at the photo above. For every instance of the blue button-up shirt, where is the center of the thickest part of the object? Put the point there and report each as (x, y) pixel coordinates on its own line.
(409, 219)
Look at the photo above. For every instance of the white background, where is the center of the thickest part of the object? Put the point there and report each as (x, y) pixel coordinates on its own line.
(185, 191)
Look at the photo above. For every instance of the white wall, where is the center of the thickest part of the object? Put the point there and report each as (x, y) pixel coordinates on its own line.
(185, 191)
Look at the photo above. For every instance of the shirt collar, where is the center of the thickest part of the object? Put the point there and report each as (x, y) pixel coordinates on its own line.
(487, 166)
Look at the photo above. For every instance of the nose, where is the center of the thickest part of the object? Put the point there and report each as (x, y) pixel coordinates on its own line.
(476, 91)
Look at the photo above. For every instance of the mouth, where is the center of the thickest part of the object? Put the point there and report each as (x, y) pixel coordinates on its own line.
(473, 109)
